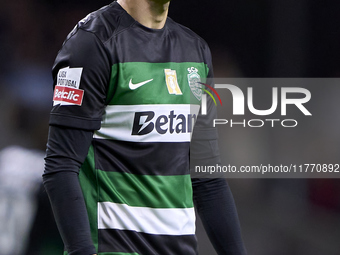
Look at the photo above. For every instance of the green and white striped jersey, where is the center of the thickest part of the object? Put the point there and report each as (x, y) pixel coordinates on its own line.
(138, 89)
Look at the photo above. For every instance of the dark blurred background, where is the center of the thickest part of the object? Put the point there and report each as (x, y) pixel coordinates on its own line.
(263, 38)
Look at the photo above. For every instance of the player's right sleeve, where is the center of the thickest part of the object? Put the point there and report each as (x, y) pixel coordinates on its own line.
(81, 75)
(66, 150)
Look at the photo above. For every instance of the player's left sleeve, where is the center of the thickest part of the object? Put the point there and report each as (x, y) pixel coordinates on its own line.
(204, 144)
(215, 205)
(212, 196)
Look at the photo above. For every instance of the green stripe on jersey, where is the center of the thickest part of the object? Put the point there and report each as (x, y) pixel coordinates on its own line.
(88, 182)
(155, 88)
(145, 190)
(117, 253)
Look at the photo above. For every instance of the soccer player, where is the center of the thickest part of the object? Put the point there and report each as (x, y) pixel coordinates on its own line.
(126, 98)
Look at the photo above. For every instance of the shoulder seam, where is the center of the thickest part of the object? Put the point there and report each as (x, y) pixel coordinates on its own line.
(123, 30)
(114, 34)
(192, 34)
(101, 42)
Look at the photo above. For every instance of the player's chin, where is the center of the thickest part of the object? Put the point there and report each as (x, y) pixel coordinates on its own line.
(160, 1)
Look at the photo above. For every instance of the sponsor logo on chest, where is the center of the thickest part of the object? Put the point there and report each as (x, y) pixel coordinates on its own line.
(147, 122)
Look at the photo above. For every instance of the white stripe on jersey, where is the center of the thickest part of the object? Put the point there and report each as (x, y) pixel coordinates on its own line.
(165, 221)
(149, 123)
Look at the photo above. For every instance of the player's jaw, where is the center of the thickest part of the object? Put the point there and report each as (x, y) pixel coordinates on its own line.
(160, 1)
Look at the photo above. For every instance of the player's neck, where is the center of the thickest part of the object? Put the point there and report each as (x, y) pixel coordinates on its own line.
(149, 13)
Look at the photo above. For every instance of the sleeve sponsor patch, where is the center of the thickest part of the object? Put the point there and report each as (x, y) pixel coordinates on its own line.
(66, 91)
(67, 96)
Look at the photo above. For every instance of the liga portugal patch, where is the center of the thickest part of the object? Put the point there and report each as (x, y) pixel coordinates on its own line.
(68, 95)
(66, 91)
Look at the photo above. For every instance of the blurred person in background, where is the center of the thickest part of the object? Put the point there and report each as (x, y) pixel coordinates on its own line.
(25, 100)
(18, 191)
(21, 164)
